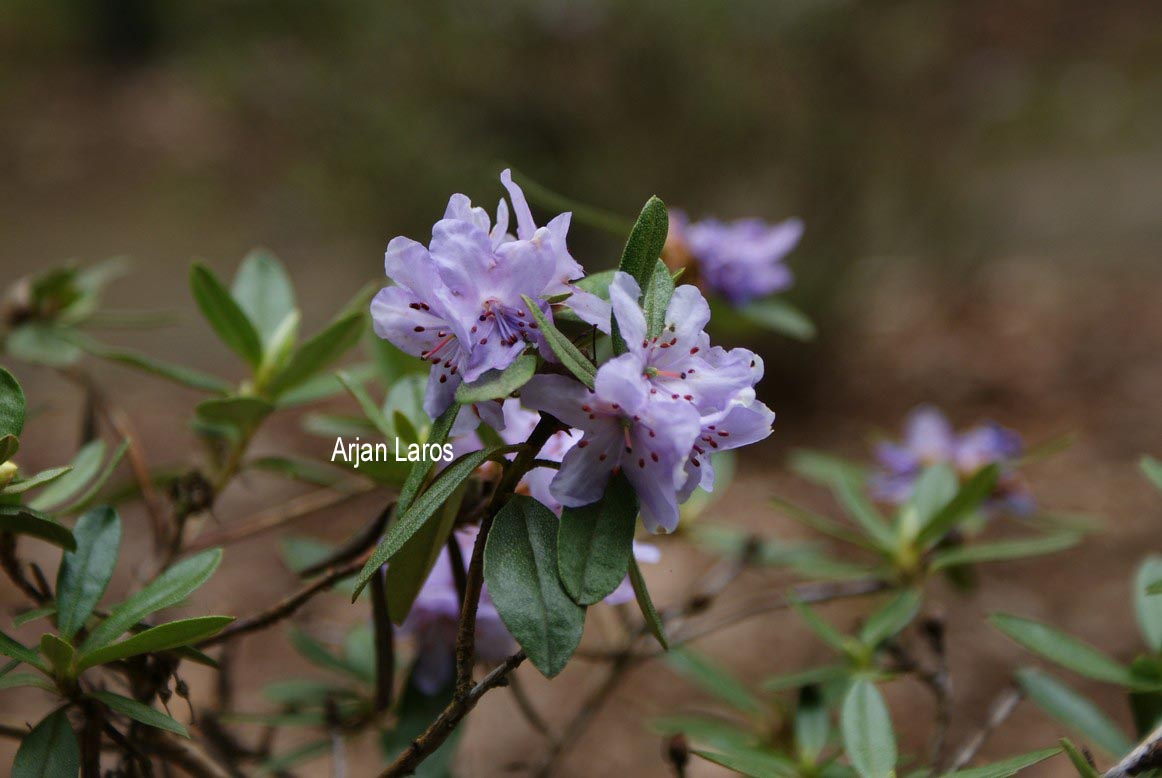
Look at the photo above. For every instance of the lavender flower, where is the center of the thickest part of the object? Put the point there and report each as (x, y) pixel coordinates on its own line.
(433, 619)
(930, 439)
(740, 260)
(457, 303)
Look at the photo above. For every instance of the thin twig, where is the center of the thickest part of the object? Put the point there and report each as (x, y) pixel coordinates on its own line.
(1147, 756)
(437, 732)
(286, 606)
(1000, 709)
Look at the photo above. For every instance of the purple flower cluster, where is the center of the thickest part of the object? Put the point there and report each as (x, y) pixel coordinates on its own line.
(457, 303)
(930, 439)
(657, 411)
(740, 260)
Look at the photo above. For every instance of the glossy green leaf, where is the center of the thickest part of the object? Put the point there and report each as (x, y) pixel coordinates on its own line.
(22, 520)
(168, 589)
(319, 351)
(263, 291)
(1148, 608)
(18, 651)
(520, 570)
(571, 357)
(224, 315)
(779, 316)
(50, 750)
(139, 711)
(642, 250)
(178, 374)
(11, 405)
(498, 384)
(812, 724)
(868, 739)
(1152, 469)
(84, 573)
(1007, 767)
(595, 543)
(1065, 650)
(1006, 549)
(163, 637)
(59, 655)
(890, 619)
(715, 680)
(1072, 710)
(645, 604)
(974, 492)
(85, 465)
(421, 510)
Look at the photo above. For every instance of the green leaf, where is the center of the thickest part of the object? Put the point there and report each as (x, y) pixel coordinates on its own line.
(715, 680)
(22, 485)
(168, 589)
(896, 614)
(317, 654)
(412, 564)
(753, 762)
(596, 283)
(820, 523)
(324, 386)
(1148, 608)
(22, 520)
(642, 250)
(59, 655)
(178, 374)
(30, 616)
(224, 315)
(1072, 710)
(372, 411)
(1007, 767)
(9, 445)
(85, 466)
(89, 495)
(244, 413)
(163, 637)
(812, 726)
(1152, 468)
(10, 648)
(705, 730)
(264, 292)
(139, 711)
(866, 724)
(319, 351)
(1008, 549)
(21, 680)
(11, 405)
(779, 316)
(498, 384)
(595, 543)
(656, 296)
(974, 492)
(571, 357)
(935, 487)
(1080, 763)
(438, 435)
(812, 676)
(305, 470)
(84, 573)
(520, 570)
(1065, 650)
(42, 344)
(420, 511)
(827, 633)
(645, 603)
(50, 750)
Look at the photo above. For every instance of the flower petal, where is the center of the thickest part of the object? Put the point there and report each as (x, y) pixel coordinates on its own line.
(624, 294)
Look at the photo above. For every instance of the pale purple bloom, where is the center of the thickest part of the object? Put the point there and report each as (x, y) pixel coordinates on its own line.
(623, 426)
(743, 421)
(929, 438)
(457, 303)
(433, 619)
(740, 260)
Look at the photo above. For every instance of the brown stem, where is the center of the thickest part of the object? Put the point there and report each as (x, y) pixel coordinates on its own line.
(287, 606)
(14, 569)
(437, 732)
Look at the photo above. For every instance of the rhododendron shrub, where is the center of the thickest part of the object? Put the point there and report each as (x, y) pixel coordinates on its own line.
(566, 414)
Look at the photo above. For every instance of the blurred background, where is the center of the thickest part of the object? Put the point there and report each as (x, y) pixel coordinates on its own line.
(980, 184)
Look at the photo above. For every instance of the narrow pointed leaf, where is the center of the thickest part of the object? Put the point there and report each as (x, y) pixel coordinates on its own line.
(89, 495)
(33, 481)
(1072, 710)
(646, 604)
(498, 384)
(642, 250)
(178, 374)
(1001, 550)
(595, 543)
(1147, 607)
(974, 492)
(222, 312)
(868, 739)
(319, 351)
(715, 680)
(22, 520)
(1007, 767)
(571, 357)
(1065, 650)
(413, 563)
(656, 296)
(84, 573)
(50, 750)
(160, 638)
(896, 614)
(520, 569)
(779, 316)
(139, 711)
(263, 291)
(14, 650)
(85, 466)
(752, 762)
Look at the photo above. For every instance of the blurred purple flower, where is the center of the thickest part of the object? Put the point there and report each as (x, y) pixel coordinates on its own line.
(929, 439)
(740, 260)
(433, 619)
(457, 303)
